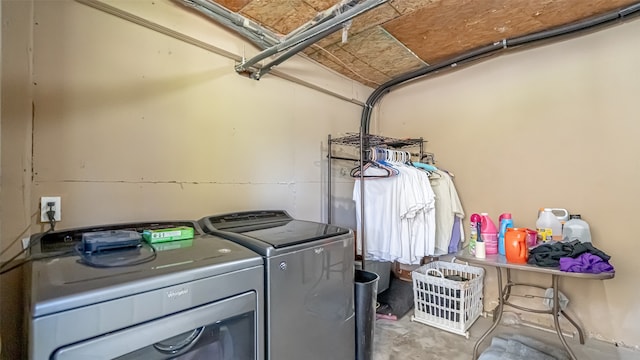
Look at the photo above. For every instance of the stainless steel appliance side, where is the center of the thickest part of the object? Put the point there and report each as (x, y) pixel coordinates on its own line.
(310, 301)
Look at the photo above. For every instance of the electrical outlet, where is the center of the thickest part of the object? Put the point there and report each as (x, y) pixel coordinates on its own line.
(57, 207)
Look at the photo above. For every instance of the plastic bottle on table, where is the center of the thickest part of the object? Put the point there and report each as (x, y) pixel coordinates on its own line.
(481, 251)
(576, 229)
(489, 234)
(505, 223)
(560, 214)
(548, 226)
(473, 233)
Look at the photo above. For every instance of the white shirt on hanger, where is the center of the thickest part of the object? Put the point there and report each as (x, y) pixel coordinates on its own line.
(399, 215)
(448, 206)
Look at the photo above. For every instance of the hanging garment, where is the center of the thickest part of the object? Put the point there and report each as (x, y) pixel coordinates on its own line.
(448, 207)
(381, 219)
(417, 238)
(399, 217)
(457, 236)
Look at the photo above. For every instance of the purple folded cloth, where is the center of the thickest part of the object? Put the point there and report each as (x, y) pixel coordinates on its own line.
(585, 263)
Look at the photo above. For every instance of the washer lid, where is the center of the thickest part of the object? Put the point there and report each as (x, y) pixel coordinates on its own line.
(63, 283)
(275, 228)
(295, 232)
(60, 280)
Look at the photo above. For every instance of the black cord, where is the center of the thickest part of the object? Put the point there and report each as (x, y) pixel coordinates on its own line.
(16, 265)
(14, 257)
(51, 215)
(32, 258)
(24, 231)
(86, 259)
(32, 243)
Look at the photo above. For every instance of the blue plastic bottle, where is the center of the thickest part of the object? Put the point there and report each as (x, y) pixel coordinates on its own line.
(505, 223)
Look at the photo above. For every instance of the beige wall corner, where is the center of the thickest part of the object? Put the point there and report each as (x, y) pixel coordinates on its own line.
(134, 124)
(188, 23)
(15, 151)
(129, 123)
(551, 126)
(1, 206)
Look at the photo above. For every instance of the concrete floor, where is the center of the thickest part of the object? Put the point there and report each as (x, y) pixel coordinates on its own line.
(407, 340)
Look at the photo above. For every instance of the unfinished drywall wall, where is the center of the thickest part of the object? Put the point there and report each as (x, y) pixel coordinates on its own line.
(15, 182)
(553, 126)
(132, 124)
(0, 173)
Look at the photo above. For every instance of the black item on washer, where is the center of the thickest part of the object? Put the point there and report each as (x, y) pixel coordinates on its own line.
(99, 241)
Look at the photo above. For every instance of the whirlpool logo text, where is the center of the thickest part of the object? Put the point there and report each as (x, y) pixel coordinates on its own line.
(177, 293)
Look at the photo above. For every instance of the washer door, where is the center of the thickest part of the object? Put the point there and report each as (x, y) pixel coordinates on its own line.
(224, 330)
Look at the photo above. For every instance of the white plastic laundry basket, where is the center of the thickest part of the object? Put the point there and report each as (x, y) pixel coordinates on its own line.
(448, 295)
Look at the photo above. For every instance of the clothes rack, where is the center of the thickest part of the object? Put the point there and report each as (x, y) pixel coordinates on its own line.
(363, 142)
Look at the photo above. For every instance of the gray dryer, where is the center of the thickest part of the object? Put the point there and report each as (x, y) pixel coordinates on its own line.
(309, 272)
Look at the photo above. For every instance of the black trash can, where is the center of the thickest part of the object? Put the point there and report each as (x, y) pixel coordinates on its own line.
(366, 289)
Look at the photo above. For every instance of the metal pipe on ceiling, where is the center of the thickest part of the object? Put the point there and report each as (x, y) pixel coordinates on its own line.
(573, 28)
(319, 19)
(321, 25)
(323, 16)
(251, 30)
(292, 51)
(310, 36)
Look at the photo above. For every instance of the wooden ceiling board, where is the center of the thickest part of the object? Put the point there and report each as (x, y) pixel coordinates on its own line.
(564, 12)
(403, 35)
(233, 5)
(341, 61)
(321, 5)
(371, 18)
(331, 39)
(443, 29)
(280, 16)
(382, 52)
(363, 22)
(407, 6)
(309, 50)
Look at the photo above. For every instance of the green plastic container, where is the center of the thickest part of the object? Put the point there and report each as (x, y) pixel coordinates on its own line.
(169, 234)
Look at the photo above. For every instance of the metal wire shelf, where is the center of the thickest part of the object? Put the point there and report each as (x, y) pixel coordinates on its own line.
(364, 142)
(353, 139)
